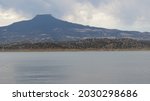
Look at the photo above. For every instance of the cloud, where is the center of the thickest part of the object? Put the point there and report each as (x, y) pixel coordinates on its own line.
(9, 16)
(89, 15)
(118, 14)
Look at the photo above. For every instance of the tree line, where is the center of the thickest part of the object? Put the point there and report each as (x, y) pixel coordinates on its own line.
(81, 44)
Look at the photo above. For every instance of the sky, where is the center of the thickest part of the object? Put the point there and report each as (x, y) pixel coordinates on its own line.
(112, 14)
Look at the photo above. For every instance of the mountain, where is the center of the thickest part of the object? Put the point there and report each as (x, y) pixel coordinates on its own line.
(45, 28)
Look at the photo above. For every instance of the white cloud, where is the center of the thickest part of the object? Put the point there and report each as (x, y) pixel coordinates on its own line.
(89, 15)
(118, 14)
(9, 16)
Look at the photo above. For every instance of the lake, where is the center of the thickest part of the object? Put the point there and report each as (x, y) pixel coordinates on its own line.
(86, 67)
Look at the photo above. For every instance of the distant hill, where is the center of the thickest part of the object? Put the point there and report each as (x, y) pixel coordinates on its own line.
(46, 28)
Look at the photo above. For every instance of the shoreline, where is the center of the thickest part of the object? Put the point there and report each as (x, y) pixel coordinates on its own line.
(71, 50)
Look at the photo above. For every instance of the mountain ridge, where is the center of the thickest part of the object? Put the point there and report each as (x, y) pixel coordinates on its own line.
(48, 28)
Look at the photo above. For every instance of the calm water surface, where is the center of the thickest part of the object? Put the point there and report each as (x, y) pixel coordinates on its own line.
(75, 67)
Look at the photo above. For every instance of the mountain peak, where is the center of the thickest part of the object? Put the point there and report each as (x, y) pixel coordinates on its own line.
(44, 16)
(47, 27)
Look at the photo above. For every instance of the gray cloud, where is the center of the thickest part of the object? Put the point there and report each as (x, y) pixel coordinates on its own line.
(120, 14)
